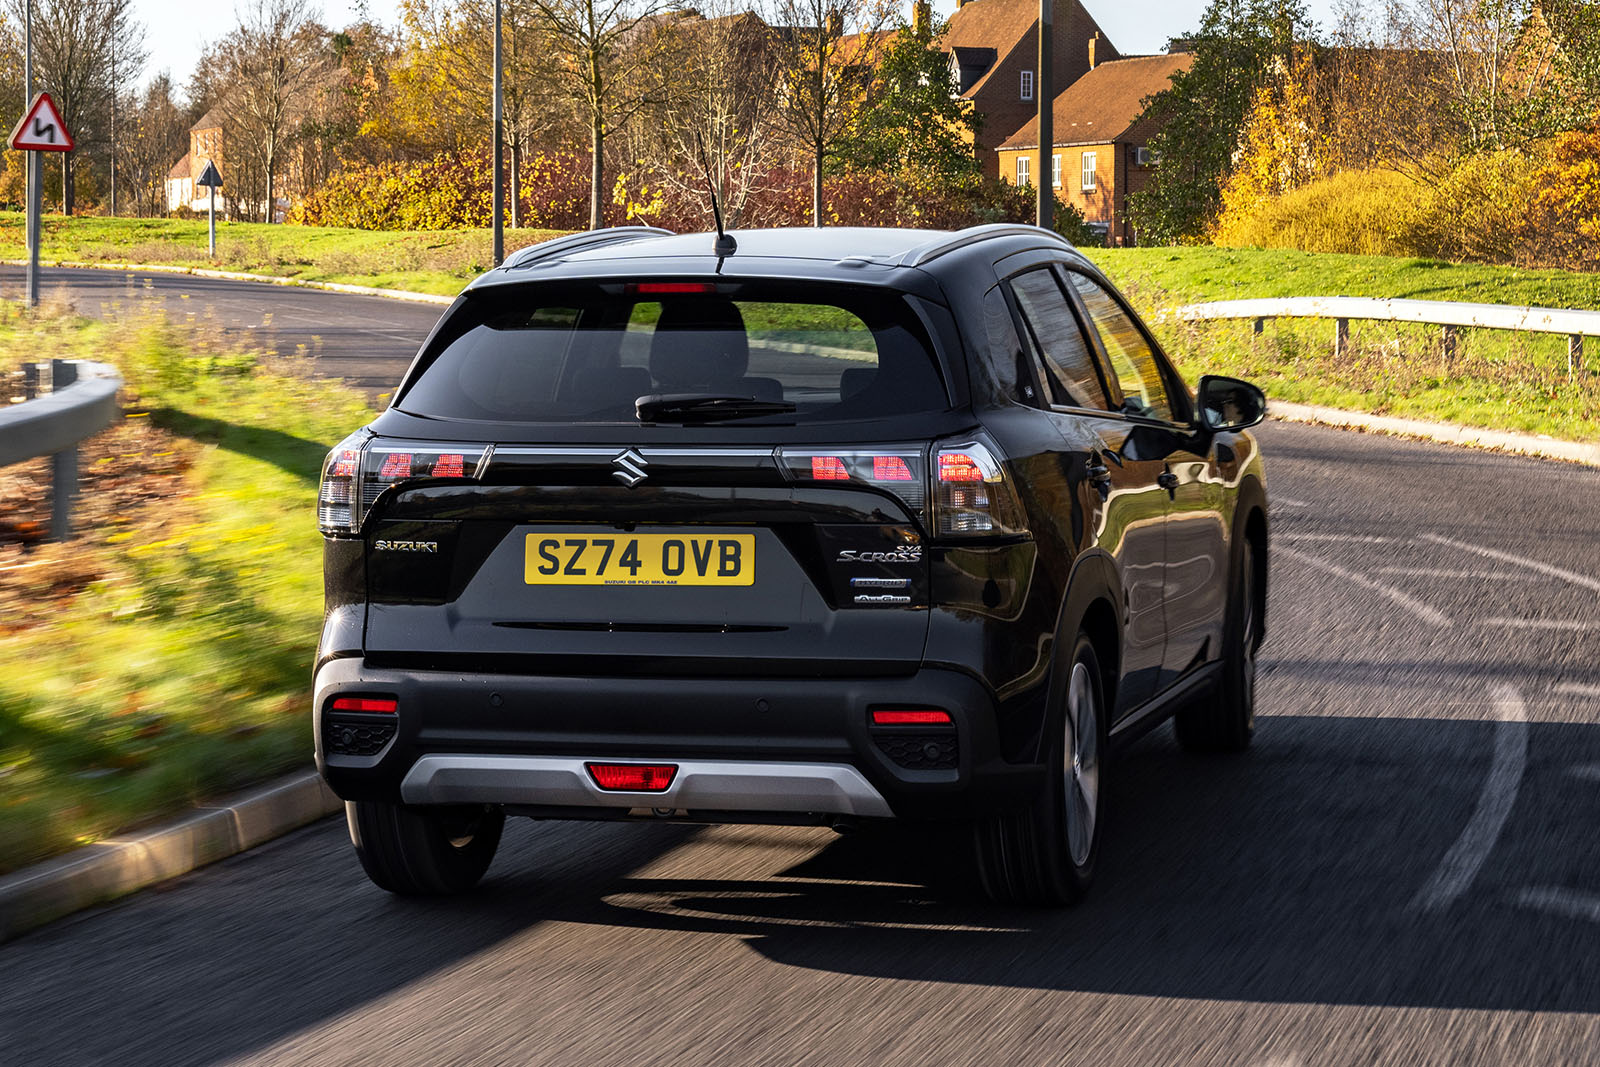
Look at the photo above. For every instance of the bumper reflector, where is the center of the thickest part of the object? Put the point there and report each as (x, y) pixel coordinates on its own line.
(384, 704)
(911, 717)
(633, 777)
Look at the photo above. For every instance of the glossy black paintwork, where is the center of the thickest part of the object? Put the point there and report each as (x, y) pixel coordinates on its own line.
(1117, 546)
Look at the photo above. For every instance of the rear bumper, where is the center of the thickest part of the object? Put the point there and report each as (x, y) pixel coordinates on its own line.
(795, 746)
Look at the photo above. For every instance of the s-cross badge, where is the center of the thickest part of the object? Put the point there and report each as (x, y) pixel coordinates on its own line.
(630, 467)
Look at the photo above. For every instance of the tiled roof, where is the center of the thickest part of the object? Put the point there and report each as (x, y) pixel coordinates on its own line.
(183, 168)
(1100, 107)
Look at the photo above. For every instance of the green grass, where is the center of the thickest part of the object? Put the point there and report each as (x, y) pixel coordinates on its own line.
(181, 670)
(425, 261)
(1497, 380)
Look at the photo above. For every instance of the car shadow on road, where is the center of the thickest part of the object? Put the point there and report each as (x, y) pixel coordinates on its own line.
(1286, 875)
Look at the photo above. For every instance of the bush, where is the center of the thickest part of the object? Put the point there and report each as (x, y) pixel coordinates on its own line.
(1370, 212)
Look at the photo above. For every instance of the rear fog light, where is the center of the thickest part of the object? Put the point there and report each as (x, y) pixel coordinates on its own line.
(387, 705)
(633, 777)
(911, 717)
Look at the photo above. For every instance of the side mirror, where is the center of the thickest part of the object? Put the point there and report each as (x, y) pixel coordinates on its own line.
(1228, 404)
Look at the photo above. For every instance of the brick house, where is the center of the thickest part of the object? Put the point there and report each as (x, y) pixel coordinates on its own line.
(994, 52)
(205, 143)
(1101, 153)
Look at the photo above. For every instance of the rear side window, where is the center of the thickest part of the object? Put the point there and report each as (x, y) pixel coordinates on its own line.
(1073, 380)
(586, 354)
(1133, 360)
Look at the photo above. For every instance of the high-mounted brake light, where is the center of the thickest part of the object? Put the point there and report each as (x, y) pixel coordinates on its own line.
(362, 466)
(386, 705)
(972, 496)
(911, 717)
(633, 777)
(673, 287)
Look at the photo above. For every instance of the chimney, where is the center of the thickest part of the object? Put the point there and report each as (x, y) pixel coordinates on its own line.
(921, 19)
(835, 23)
(1092, 41)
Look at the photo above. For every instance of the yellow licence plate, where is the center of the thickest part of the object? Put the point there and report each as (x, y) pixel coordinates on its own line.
(640, 559)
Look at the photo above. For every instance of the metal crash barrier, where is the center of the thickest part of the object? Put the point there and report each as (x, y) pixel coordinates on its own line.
(82, 401)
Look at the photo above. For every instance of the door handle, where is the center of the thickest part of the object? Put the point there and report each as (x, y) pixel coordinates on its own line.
(1168, 481)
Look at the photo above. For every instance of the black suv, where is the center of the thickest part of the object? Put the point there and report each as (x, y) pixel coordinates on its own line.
(798, 526)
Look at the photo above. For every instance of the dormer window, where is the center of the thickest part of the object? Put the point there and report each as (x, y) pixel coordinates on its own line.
(1027, 85)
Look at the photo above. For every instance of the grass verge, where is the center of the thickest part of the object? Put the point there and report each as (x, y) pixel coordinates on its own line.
(1494, 379)
(162, 656)
(439, 261)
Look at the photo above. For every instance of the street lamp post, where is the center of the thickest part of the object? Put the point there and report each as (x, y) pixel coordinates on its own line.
(1047, 133)
(497, 212)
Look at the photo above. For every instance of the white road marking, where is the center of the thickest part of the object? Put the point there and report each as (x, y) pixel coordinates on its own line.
(1577, 689)
(1588, 772)
(1446, 572)
(1411, 604)
(1460, 865)
(1544, 624)
(1516, 560)
(1357, 539)
(1568, 903)
(1290, 502)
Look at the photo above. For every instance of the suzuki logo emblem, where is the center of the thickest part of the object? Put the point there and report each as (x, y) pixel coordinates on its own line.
(630, 468)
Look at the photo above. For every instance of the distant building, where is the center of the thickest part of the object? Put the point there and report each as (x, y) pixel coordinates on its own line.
(205, 144)
(994, 52)
(1101, 153)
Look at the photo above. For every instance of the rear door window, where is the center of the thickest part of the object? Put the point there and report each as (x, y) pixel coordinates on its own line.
(586, 354)
(1069, 366)
(1132, 355)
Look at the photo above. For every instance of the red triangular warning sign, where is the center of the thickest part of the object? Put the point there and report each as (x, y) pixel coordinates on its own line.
(41, 129)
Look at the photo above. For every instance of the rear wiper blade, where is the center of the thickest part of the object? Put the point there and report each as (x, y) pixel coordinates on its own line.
(705, 407)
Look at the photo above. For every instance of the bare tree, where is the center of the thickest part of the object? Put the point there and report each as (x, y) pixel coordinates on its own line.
(76, 46)
(155, 131)
(826, 57)
(717, 124)
(268, 69)
(611, 57)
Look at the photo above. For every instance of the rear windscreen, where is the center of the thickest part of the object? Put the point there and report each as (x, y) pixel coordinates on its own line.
(561, 353)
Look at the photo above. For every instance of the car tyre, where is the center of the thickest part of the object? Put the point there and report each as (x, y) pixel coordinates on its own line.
(1045, 854)
(424, 852)
(1226, 721)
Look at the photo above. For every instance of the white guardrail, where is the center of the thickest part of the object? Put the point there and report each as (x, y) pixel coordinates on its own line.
(82, 401)
(1576, 325)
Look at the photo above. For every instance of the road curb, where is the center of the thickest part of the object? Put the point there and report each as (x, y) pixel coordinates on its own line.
(240, 276)
(110, 869)
(1449, 433)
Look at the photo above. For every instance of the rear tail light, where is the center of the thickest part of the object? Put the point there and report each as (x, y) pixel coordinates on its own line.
(896, 469)
(362, 466)
(633, 777)
(385, 705)
(971, 494)
(911, 717)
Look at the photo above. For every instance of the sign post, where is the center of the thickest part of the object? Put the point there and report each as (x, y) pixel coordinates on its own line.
(211, 179)
(41, 130)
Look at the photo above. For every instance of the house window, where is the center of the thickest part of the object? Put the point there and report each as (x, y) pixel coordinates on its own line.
(1055, 171)
(1088, 171)
(1027, 85)
(1022, 170)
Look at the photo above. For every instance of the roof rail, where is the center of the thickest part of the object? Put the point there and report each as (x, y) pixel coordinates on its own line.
(578, 242)
(950, 242)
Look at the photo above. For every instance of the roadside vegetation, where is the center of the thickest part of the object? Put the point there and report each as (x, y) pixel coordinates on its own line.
(160, 658)
(440, 261)
(1494, 379)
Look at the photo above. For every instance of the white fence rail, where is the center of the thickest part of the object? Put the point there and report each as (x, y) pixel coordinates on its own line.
(1576, 325)
(82, 401)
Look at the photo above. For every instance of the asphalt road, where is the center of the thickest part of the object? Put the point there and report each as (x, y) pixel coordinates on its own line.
(1404, 870)
(367, 340)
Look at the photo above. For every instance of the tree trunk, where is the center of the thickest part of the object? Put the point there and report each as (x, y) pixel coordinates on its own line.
(816, 184)
(597, 170)
(67, 199)
(516, 183)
